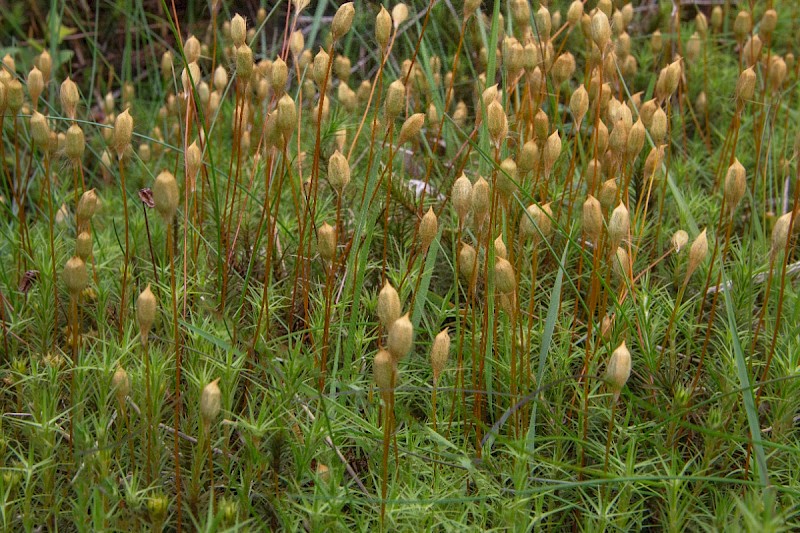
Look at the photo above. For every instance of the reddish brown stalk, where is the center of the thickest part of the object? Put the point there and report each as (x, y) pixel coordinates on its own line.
(187, 189)
(481, 383)
(605, 287)
(271, 220)
(525, 367)
(123, 304)
(309, 211)
(9, 182)
(177, 392)
(459, 381)
(236, 195)
(377, 85)
(610, 430)
(518, 355)
(214, 10)
(568, 190)
(318, 134)
(683, 114)
(713, 257)
(4, 325)
(624, 192)
(469, 309)
(48, 180)
(77, 190)
(575, 318)
(712, 313)
(19, 197)
(495, 346)
(668, 342)
(474, 356)
(387, 432)
(388, 205)
(765, 373)
(240, 215)
(779, 311)
(593, 295)
(448, 96)
(704, 130)
(148, 437)
(329, 283)
(722, 157)
(209, 450)
(664, 181)
(230, 184)
(73, 313)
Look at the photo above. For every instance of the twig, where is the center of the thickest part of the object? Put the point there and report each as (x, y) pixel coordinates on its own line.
(794, 268)
(341, 457)
(181, 434)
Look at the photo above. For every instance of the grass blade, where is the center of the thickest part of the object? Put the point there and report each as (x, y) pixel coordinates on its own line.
(547, 340)
(747, 389)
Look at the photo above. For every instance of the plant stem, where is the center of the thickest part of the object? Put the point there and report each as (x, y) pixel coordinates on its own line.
(123, 305)
(52, 245)
(387, 433)
(177, 394)
(148, 412)
(210, 466)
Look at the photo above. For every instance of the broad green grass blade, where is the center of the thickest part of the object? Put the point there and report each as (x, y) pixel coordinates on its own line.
(547, 339)
(421, 298)
(747, 390)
